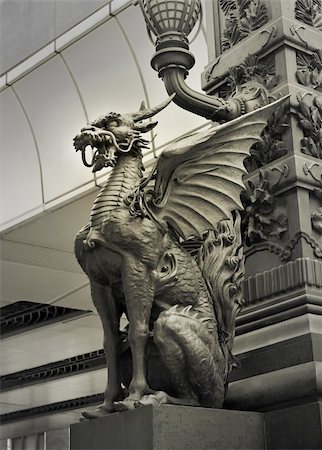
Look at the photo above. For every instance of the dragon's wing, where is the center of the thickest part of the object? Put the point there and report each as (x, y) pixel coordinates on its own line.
(199, 178)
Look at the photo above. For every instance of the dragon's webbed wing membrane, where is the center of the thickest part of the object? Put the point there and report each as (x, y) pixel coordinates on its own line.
(199, 178)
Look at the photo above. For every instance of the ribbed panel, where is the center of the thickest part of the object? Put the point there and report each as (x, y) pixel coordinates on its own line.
(294, 274)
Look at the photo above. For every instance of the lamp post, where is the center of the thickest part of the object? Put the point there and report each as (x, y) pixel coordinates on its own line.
(172, 22)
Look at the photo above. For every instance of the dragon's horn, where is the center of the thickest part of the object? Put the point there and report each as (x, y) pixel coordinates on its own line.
(145, 113)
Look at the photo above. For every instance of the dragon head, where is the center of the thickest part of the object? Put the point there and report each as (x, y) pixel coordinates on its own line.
(114, 133)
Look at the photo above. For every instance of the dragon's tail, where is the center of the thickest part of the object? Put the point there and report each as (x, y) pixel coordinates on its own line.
(221, 261)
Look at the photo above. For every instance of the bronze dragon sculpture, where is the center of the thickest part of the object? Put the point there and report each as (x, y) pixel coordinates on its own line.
(181, 310)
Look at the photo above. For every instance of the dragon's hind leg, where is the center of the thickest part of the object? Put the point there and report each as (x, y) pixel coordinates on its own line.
(193, 358)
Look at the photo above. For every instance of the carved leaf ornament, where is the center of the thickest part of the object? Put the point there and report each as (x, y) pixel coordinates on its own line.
(271, 146)
(309, 12)
(316, 216)
(252, 69)
(261, 220)
(242, 17)
(309, 71)
(311, 124)
(316, 219)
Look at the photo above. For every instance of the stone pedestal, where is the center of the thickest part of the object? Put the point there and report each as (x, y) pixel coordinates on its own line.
(186, 428)
(171, 427)
(298, 427)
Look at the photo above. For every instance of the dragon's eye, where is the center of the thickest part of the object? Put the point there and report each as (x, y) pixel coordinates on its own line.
(114, 123)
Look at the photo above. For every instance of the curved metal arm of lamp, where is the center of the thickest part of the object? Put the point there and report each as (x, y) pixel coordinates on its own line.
(210, 107)
(173, 65)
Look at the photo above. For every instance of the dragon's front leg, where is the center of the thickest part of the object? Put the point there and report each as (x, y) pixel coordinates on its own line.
(110, 313)
(138, 286)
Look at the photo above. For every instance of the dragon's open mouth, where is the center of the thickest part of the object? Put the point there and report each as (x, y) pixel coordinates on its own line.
(104, 147)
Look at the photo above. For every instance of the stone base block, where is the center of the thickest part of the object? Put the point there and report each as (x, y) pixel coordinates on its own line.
(171, 427)
(296, 428)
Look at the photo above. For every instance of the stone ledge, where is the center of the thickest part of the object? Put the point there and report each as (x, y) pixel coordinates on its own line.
(171, 427)
(277, 309)
(282, 388)
(186, 428)
(299, 427)
(287, 353)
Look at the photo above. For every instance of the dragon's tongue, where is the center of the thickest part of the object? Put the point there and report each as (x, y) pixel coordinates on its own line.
(105, 157)
(98, 164)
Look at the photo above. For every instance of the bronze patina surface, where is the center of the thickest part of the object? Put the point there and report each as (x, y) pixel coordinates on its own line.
(181, 310)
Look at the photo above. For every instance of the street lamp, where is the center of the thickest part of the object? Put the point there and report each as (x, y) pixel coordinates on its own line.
(171, 22)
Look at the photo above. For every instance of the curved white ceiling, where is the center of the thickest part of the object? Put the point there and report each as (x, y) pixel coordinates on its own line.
(56, 115)
(108, 69)
(20, 172)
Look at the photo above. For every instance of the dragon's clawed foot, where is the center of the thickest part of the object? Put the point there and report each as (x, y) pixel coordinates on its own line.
(162, 398)
(100, 411)
(126, 404)
(157, 398)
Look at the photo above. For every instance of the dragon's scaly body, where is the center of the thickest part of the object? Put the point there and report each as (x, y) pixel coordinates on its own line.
(182, 313)
(132, 254)
(120, 183)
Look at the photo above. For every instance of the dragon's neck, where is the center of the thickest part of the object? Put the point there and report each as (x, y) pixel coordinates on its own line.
(122, 180)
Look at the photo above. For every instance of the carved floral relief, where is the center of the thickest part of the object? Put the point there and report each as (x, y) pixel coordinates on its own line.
(309, 12)
(262, 221)
(316, 219)
(309, 71)
(316, 216)
(310, 121)
(254, 70)
(271, 146)
(241, 18)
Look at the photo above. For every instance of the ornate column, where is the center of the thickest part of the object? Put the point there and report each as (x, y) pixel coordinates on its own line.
(279, 332)
(257, 49)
